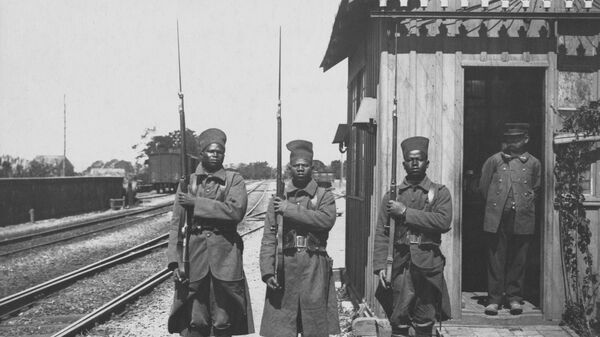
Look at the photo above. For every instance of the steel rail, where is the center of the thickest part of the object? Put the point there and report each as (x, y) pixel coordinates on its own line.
(15, 251)
(99, 315)
(16, 302)
(83, 223)
(78, 224)
(22, 299)
(107, 309)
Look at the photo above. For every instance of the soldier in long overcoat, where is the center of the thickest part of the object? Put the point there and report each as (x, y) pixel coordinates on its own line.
(422, 212)
(216, 300)
(510, 184)
(304, 299)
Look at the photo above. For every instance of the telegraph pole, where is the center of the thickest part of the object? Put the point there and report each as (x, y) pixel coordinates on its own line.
(64, 134)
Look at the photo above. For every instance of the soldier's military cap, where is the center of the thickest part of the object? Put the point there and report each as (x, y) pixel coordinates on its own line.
(516, 129)
(414, 143)
(211, 136)
(300, 149)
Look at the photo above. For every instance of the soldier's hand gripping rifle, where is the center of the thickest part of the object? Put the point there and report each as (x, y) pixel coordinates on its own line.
(184, 178)
(392, 223)
(279, 183)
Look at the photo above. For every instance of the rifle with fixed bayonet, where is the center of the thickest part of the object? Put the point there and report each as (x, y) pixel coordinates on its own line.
(184, 175)
(279, 182)
(391, 221)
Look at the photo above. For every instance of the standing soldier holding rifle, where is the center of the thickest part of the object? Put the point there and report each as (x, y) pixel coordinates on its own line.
(422, 211)
(302, 299)
(211, 293)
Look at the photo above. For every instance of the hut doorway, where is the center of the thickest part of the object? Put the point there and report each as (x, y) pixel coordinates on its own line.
(494, 96)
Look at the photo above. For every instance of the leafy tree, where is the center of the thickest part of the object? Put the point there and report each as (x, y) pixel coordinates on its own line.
(319, 166)
(6, 170)
(256, 170)
(170, 142)
(41, 169)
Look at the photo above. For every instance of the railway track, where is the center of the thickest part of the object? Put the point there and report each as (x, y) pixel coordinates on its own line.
(13, 245)
(13, 304)
(19, 244)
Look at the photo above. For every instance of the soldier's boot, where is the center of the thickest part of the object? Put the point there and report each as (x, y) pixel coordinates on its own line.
(400, 331)
(222, 332)
(195, 332)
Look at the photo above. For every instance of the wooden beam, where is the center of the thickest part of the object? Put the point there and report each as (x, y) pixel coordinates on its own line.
(571, 138)
(466, 15)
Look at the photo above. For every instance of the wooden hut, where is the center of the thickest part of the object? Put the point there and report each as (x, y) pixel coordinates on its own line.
(464, 68)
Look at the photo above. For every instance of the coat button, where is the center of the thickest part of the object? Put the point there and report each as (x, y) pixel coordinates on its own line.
(207, 235)
(499, 180)
(525, 181)
(494, 204)
(504, 168)
(523, 169)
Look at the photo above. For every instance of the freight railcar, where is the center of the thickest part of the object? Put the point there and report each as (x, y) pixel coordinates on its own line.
(323, 178)
(163, 170)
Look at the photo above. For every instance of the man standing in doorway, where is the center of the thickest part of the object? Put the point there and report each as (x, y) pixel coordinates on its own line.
(510, 184)
(422, 212)
(306, 300)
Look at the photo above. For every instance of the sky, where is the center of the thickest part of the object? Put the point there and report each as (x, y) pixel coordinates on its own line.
(116, 63)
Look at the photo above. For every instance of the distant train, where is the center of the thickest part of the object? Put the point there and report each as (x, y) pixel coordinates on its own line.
(163, 171)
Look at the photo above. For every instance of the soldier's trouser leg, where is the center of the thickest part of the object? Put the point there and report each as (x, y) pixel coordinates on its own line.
(516, 265)
(497, 249)
(424, 310)
(200, 309)
(403, 295)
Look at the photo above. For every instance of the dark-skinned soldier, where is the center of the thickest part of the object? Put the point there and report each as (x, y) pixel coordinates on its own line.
(422, 212)
(216, 301)
(510, 184)
(306, 301)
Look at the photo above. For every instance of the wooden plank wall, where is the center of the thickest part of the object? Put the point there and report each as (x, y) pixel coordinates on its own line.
(55, 197)
(430, 98)
(359, 212)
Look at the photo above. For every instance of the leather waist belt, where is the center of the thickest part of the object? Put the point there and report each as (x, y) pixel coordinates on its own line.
(416, 238)
(200, 229)
(301, 242)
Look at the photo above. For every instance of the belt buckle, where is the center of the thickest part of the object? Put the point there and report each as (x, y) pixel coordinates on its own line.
(300, 241)
(414, 239)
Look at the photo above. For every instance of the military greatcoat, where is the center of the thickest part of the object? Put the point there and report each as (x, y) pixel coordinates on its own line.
(215, 247)
(308, 300)
(428, 218)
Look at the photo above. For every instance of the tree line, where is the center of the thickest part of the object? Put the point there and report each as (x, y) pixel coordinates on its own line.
(51, 166)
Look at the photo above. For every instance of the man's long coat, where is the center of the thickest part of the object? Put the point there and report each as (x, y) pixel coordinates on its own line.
(221, 204)
(308, 296)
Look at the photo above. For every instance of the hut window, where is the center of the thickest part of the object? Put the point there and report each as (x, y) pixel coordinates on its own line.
(586, 184)
(356, 153)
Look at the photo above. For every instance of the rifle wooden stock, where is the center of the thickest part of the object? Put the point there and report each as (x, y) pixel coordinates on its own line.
(391, 222)
(185, 175)
(279, 183)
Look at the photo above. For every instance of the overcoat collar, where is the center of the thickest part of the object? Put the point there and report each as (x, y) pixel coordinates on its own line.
(523, 158)
(310, 188)
(219, 175)
(425, 185)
